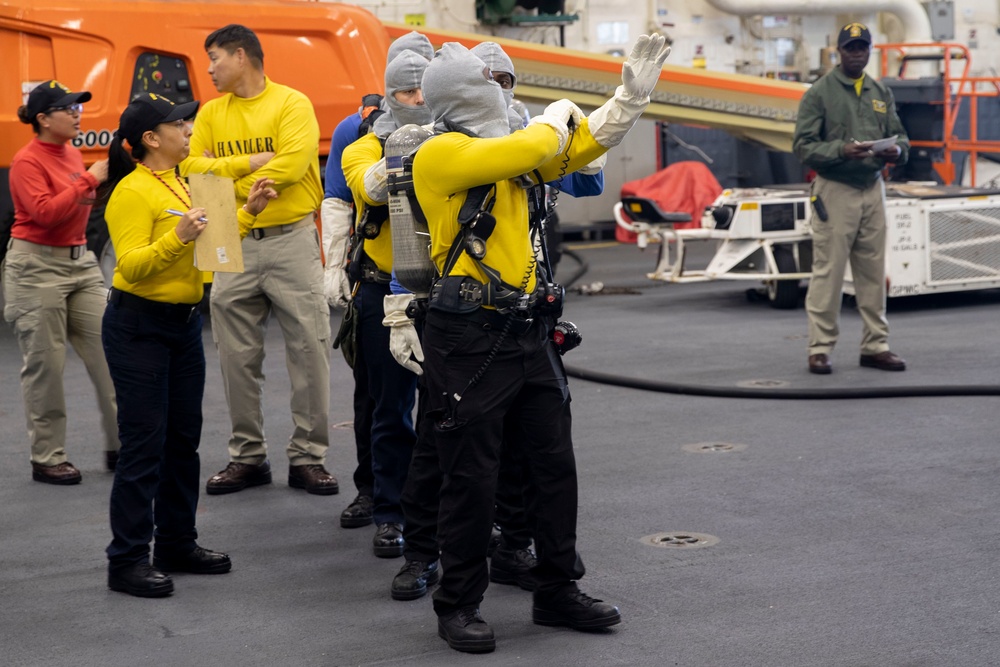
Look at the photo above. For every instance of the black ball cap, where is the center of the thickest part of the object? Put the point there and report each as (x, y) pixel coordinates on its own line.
(149, 110)
(50, 95)
(854, 32)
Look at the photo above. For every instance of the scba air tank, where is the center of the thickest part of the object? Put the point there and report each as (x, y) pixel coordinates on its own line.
(411, 259)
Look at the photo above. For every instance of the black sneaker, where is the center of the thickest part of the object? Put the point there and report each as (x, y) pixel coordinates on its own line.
(358, 513)
(575, 609)
(466, 631)
(513, 567)
(413, 578)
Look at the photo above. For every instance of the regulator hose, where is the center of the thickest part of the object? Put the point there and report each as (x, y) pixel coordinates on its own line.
(836, 393)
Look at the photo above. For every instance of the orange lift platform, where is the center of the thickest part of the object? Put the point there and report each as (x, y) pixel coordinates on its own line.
(956, 90)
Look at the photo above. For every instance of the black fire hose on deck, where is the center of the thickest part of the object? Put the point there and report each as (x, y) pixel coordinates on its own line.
(837, 393)
(782, 394)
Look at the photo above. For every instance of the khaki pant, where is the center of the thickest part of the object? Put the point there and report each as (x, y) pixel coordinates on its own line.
(855, 233)
(282, 276)
(49, 300)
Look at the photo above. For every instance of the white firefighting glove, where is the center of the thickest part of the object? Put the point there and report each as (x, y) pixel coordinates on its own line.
(595, 166)
(565, 110)
(404, 345)
(337, 217)
(610, 123)
(377, 183)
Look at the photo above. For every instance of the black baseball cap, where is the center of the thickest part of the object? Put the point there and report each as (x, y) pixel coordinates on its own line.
(149, 110)
(854, 32)
(52, 94)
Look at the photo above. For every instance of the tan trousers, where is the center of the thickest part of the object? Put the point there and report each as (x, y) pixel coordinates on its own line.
(49, 300)
(855, 233)
(283, 277)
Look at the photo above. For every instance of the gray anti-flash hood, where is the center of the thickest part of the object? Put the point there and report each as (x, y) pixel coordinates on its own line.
(460, 95)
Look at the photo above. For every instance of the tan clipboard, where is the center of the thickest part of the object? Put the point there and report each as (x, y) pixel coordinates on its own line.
(218, 247)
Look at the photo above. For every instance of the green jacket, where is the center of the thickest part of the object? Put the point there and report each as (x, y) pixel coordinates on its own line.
(831, 114)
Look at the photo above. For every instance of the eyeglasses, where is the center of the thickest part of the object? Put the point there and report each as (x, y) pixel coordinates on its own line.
(71, 109)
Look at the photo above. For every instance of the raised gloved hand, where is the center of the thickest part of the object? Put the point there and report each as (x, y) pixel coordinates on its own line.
(404, 345)
(337, 218)
(642, 69)
(595, 166)
(557, 124)
(567, 111)
(610, 123)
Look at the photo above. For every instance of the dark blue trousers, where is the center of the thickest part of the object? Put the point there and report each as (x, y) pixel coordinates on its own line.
(364, 406)
(158, 368)
(393, 388)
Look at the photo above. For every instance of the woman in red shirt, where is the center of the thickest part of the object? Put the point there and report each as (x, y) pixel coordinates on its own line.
(53, 289)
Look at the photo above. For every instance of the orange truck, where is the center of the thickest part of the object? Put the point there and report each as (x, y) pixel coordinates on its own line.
(332, 52)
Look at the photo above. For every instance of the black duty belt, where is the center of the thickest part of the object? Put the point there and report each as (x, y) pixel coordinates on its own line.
(371, 274)
(172, 312)
(260, 233)
(461, 294)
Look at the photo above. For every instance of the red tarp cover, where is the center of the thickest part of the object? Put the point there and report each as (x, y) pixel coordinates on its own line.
(683, 187)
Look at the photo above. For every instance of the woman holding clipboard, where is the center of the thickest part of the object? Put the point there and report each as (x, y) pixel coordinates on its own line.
(152, 341)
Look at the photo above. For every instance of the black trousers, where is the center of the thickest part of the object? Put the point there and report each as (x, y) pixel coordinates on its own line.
(521, 395)
(158, 367)
(420, 499)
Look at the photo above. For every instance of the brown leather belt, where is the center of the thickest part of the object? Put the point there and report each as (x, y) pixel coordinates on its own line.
(68, 252)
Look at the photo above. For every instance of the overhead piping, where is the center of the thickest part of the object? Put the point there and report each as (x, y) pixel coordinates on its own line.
(911, 13)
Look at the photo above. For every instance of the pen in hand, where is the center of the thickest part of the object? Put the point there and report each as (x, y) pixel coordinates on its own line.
(174, 211)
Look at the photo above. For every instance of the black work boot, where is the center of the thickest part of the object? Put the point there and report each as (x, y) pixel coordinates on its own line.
(358, 513)
(573, 608)
(466, 631)
(413, 578)
(513, 567)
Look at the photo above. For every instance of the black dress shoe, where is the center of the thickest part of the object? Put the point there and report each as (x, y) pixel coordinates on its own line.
(884, 361)
(513, 566)
(388, 541)
(358, 513)
(197, 561)
(466, 631)
(111, 460)
(238, 476)
(413, 578)
(314, 478)
(141, 580)
(575, 609)
(62, 474)
(820, 364)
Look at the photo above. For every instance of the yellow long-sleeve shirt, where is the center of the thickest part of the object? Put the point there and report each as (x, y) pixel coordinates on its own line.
(281, 120)
(448, 165)
(357, 158)
(152, 260)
